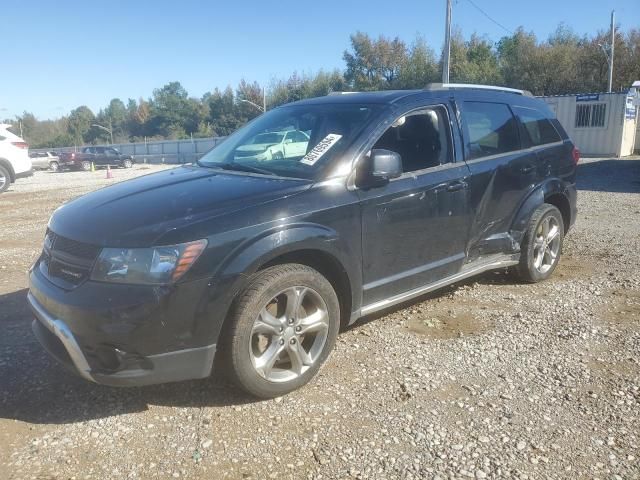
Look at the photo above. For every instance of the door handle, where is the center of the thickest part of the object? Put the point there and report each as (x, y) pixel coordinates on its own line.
(527, 169)
(457, 186)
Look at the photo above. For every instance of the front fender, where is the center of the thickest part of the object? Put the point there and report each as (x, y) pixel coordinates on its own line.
(233, 273)
(247, 257)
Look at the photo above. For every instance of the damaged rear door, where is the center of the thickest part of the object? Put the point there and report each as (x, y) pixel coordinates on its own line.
(502, 173)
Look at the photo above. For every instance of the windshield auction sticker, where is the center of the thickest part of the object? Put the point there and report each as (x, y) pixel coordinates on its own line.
(321, 148)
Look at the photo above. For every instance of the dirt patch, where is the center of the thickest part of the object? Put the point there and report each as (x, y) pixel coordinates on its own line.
(624, 308)
(571, 267)
(450, 324)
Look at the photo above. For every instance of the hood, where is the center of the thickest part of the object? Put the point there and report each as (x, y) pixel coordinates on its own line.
(138, 212)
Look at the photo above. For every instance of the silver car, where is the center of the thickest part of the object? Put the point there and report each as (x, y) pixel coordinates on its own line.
(45, 161)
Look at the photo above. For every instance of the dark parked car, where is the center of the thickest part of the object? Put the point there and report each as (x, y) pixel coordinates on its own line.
(99, 156)
(259, 262)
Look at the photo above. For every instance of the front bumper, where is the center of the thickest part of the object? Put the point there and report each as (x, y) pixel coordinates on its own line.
(123, 335)
(56, 337)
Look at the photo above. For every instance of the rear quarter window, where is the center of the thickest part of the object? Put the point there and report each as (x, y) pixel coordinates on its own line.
(536, 129)
(490, 129)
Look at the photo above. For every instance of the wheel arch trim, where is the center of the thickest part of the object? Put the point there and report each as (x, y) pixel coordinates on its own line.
(285, 242)
(552, 187)
(12, 174)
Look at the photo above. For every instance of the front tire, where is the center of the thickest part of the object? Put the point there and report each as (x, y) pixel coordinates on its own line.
(542, 244)
(54, 166)
(127, 163)
(283, 327)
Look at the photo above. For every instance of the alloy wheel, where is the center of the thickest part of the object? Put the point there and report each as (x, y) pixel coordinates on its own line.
(289, 334)
(547, 244)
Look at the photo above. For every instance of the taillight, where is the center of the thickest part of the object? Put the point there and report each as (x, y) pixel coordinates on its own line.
(575, 153)
(73, 155)
(24, 145)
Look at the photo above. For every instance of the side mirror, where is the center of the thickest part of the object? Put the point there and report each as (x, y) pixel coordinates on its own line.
(380, 167)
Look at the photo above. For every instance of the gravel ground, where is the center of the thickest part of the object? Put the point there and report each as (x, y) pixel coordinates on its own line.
(486, 379)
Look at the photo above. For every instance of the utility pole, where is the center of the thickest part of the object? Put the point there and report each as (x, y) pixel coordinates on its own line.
(264, 100)
(447, 45)
(613, 41)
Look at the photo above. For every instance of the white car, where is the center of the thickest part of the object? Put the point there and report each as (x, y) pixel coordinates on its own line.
(14, 158)
(274, 146)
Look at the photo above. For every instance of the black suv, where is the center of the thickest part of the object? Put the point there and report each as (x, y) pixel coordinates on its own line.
(258, 260)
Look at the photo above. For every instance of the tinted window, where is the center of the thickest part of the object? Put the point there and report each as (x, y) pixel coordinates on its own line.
(490, 129)
(538, 129)
(421, 139)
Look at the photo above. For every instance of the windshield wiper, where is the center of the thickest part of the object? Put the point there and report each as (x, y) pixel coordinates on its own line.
(241, 167)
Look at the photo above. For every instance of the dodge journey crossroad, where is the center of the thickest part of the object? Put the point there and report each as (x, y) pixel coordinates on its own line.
(253, 262)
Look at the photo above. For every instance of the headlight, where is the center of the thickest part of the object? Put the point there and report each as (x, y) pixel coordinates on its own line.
(157, 265)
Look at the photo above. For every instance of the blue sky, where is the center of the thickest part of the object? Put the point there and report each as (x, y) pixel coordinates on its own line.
(61, 54)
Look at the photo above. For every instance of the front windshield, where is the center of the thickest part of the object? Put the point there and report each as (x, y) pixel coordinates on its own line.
(292, 141)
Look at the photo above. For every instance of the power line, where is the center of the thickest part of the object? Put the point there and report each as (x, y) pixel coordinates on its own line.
(489, 17)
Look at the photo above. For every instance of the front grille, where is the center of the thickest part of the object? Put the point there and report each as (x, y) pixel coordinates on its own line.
(69, 273)
(67, 262)
(73, 247)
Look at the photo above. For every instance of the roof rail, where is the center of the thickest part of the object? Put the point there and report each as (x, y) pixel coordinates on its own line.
(439, 86)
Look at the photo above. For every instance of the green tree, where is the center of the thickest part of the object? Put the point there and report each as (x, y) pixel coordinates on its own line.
(420, 67)
(117, 116)
(79, 126)
(223, 117)
(374, 64)
(170, 111)
(626, 68)
(248, 92)
(473, 61)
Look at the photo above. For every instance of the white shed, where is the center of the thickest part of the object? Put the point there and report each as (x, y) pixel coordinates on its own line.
(600, 124)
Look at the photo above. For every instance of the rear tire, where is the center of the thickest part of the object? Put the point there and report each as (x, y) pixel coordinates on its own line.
(86, 166)
(282, 328)
(5, 179)
(542, 245)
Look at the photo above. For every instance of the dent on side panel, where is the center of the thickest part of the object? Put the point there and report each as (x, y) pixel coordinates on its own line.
(480, 226)
(521, 219)
(482, 197)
